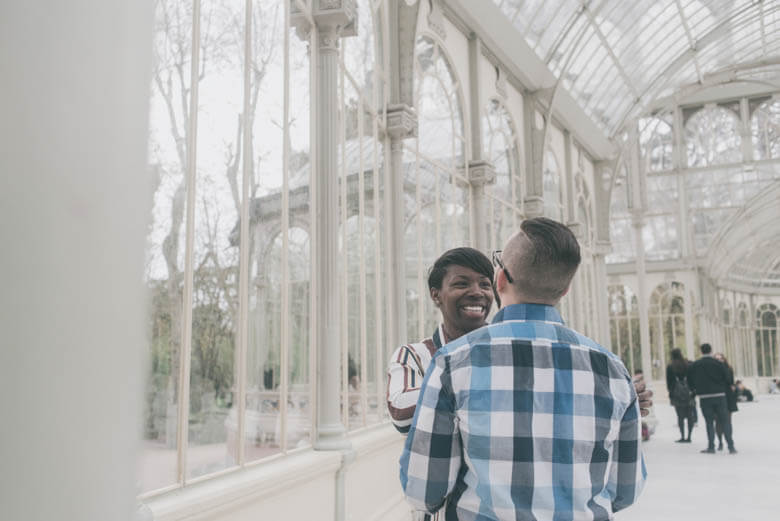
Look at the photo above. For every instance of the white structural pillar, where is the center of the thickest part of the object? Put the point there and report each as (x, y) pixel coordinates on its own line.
(74, 181)
(642, 297)
(333, 19)
(579, 284)
(533, 141)
(481, 174)
(689, 316)
(603, 248)
(637, 220)
(481, 171)
(401, 125)
(599, 260)
(750, 344)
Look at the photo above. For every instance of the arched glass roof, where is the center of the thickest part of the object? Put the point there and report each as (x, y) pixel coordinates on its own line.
(617, 57)
(744, 252)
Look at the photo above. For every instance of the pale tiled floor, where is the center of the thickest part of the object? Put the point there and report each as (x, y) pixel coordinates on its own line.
(685, 485)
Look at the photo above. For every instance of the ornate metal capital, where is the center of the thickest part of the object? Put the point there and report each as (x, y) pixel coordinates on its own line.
(436, 20)
(481, 173)
(534, 206)
(331, 16)
(602, 248)
(401, 122)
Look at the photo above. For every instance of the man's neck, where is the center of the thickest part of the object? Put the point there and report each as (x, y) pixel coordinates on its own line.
(512, 300)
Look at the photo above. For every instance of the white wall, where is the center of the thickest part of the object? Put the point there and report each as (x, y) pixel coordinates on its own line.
(74, 204)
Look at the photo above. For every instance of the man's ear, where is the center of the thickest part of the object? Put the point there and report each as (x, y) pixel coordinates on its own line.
(501, 281)
(435, 296)
(565, 291)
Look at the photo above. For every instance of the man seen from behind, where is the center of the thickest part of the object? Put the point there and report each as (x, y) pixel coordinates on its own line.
(709, 379)
(526, 419)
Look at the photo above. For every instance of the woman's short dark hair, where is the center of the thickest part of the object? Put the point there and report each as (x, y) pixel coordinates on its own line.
(466, 257)
(679, 363)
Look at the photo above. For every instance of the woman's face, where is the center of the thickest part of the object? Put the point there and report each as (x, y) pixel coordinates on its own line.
(719, 357)
(464, 298)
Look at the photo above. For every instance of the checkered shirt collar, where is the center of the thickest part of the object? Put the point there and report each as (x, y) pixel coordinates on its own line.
(541, 312)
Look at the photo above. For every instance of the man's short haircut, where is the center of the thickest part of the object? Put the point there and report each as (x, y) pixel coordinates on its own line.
(706, 349)
(466, 257)
(546, 268)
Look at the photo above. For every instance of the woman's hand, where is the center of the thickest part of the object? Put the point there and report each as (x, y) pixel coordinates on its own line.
(645, 395)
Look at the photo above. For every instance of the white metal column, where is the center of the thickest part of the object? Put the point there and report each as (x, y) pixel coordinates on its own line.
(533, 147)
(688, 313)
(481, 172)
(329, 26)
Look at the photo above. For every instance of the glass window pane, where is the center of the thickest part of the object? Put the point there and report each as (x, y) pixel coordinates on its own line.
(169, 125)
(213, 372)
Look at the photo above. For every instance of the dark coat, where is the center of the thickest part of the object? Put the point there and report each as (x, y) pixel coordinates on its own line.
(731, 394)
(672, 377)
(709, 376)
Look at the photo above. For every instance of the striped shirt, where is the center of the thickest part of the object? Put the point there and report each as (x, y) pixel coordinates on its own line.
(405, 376)
(525, 419)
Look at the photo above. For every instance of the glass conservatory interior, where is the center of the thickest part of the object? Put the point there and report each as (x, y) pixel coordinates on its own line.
(287, 172)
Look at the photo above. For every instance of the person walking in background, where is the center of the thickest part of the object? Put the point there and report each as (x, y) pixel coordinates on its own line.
(680, 395)
(709, 379)
(526, 418)
(731, 400)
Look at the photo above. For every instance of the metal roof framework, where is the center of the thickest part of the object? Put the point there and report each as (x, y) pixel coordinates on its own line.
(617, 58)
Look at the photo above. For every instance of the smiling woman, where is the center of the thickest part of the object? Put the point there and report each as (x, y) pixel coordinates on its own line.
(460, 285)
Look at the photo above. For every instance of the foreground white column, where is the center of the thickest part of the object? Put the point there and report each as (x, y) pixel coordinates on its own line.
(332, 21)
(642, 298)
(401, 125)
(75, 199)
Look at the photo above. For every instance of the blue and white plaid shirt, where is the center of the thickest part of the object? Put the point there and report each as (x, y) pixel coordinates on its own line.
(524, 419)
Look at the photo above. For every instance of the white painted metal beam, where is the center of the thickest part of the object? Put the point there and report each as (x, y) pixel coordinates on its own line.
(501, 39)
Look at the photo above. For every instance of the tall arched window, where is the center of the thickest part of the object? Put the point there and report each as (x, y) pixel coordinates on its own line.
(766, 339)
(552, 187)
(624, 326)
(712, 137)
(656, 140)
(765, 128)
(437, 194)
(500, 142)
(621, 233)
(667, 324)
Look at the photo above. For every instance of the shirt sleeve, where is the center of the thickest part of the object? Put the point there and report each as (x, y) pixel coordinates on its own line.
(628, 472)
(431, 458)
(404, 377)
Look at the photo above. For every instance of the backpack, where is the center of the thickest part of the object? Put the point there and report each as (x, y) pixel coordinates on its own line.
(681, 393)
